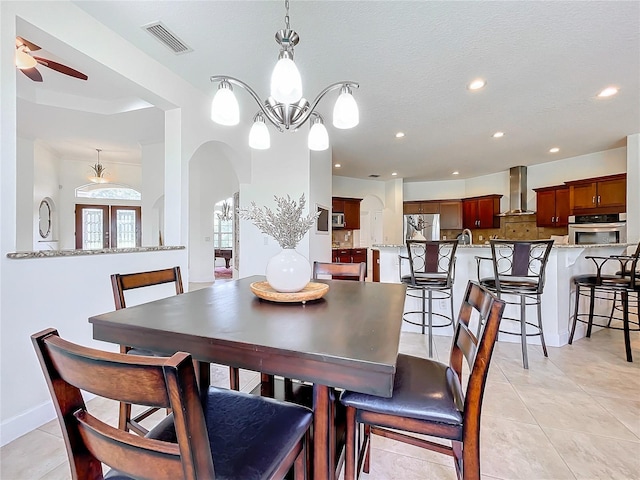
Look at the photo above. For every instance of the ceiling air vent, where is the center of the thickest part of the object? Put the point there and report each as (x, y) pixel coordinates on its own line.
(373, 175)
(162, 33)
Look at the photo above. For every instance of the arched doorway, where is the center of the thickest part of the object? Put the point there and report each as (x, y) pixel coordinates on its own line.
(212, 179)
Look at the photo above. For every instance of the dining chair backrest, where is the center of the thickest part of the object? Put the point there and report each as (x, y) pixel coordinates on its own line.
(524, 260)
(344, 271)
(155, 381)
(120, 282)
(478, 305)
(432, 257)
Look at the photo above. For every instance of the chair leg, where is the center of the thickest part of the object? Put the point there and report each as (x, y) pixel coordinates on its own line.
(124, 416)
(367, 457)
(544, 345)
(523, 331)
(423, 310)
(300, 464)
(592, 301)
(453, 318)
(575, 313)
(350, 445)
(613, 308)
(625, 320)
(234, 378)
(430, 324)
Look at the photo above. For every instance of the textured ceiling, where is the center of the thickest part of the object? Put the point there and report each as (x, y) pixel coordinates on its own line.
(544, 62)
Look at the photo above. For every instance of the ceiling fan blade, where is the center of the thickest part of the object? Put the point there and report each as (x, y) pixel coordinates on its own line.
(58, 67)
(31, 46)
(33, 74)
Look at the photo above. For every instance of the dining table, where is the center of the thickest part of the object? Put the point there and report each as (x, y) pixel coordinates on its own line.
(348, 339)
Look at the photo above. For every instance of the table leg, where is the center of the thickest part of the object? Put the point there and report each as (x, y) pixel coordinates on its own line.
(324, 441)
(203, 376)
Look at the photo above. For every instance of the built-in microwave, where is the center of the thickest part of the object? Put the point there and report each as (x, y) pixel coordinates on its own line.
(597, 229)
(337, 220)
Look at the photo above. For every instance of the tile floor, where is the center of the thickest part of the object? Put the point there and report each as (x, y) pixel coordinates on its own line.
(574, 415)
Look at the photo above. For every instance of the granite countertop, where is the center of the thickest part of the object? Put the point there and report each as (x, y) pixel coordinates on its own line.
(78, 253)
(486, 245)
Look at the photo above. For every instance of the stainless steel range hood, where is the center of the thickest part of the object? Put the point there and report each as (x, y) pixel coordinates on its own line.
(518, 192)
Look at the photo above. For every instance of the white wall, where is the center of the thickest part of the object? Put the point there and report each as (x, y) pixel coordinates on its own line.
(64, 292)
(152, 191)
(24, 195)
(633, 192)
(546, 174)
(211, 180)
(596, 164)
(356, 187)
(45, 185)
(282, 170)
(320, 194)
(392, 229)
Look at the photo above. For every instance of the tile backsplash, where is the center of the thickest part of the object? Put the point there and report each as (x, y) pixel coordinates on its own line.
(512, 227)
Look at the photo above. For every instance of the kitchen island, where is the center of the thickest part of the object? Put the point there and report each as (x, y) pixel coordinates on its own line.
(565, 261)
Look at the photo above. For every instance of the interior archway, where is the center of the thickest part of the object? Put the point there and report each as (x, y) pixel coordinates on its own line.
(212, 178)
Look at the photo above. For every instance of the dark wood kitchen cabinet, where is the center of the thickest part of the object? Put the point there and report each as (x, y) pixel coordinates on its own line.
(552, 206)
(598, 195)
(451, 215)
(348, 255)
(413, 208)
(480, 212)
(351, 209)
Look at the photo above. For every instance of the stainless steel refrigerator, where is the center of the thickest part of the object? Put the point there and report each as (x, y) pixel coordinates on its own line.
(424, 226)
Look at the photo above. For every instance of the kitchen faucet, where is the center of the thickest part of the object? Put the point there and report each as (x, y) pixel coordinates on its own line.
(466, 231)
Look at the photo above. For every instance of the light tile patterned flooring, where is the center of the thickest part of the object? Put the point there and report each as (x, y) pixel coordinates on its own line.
(574, 415)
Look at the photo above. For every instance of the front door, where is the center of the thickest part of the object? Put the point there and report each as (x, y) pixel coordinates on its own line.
(107, 226)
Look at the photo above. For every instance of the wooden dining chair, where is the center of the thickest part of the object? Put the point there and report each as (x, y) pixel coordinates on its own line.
(341, 271)
(219, 434)
(129, 281)
(428, 396)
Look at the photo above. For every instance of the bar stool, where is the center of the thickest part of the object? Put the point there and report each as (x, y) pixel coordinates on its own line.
(432, 271)
(519, 271)
(625, 282)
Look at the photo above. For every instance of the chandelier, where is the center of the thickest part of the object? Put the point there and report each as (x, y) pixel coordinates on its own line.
(98, 171)
(225, 215)
(285, 108)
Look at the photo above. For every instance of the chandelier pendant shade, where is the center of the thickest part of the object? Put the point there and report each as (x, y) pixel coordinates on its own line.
(98, 171)
(285, 108)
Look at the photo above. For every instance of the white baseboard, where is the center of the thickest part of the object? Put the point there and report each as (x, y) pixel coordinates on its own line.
(25, 422)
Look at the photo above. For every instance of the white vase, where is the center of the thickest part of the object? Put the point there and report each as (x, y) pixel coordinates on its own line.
(288, 271)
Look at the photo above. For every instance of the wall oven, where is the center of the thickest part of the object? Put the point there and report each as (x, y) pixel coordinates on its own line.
(598, 229)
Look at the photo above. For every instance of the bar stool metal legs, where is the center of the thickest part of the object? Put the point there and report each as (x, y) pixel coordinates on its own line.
(595, 289)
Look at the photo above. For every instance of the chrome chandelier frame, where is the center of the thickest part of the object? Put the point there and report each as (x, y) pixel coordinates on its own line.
(286, 116)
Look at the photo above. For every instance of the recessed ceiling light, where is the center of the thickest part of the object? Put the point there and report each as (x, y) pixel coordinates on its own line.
(477, 84)
(456, 173)
(498, 134)
(554, 150)
(394, 174)
(337, 165)
(609, 91)
(399, 134)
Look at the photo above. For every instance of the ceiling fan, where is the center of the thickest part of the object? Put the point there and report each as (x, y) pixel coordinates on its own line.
(27, 63)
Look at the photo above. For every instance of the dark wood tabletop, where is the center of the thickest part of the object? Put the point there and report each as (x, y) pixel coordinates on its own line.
(347, 339)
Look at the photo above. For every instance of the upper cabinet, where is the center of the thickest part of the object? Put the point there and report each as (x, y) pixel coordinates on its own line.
(351, 209)
(552, 206)
(451, 215)
(481, 212)
(412, 208)
(598, 195)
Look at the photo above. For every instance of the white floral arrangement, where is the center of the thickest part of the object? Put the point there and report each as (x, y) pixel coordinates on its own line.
(286, 225)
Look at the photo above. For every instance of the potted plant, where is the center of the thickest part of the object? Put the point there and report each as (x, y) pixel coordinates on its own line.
(288, 271)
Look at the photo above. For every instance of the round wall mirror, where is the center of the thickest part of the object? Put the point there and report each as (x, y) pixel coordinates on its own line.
(44, 223)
